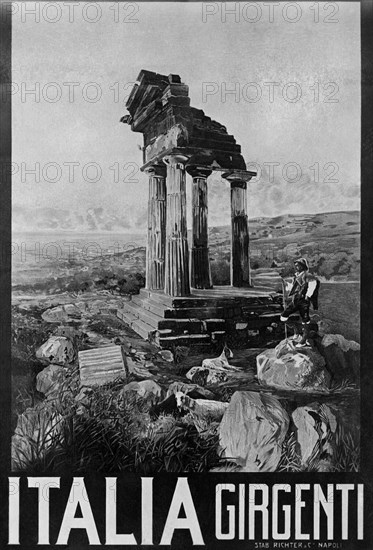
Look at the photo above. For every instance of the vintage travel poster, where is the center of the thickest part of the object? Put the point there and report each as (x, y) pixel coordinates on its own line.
(186, 275)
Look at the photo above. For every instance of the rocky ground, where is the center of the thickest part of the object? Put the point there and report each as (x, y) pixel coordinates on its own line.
(257, 409)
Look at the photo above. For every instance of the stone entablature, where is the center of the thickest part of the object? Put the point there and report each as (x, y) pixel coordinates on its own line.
(159, 108)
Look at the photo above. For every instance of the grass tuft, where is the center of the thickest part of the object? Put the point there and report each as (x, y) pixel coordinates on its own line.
(115, 435)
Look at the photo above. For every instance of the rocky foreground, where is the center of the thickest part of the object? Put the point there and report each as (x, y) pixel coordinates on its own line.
(282, 408)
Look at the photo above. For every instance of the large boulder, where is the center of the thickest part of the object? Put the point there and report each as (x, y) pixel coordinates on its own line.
(58, 350)
(252, 431)
(342, 356)
(50, 380)
(316, 427)
(291, 368)
(38, 430)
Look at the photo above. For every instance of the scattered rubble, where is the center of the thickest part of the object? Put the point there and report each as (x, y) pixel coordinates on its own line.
(251, 426)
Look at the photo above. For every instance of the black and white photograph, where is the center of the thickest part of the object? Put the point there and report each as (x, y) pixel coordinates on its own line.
(186, 274)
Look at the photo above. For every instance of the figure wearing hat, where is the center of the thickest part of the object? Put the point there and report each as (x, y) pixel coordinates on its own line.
(304, 291)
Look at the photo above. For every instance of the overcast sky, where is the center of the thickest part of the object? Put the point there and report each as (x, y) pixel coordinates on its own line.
(320, 132)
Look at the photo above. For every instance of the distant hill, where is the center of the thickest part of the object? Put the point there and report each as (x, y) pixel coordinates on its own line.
(330, 241)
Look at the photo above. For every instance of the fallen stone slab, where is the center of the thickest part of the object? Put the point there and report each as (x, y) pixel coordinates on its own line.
(252, 431)
(101, 366)
(58, 350)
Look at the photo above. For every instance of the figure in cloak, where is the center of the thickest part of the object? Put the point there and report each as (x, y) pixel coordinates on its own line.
(304, 292)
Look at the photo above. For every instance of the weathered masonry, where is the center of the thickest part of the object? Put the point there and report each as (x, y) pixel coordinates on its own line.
(179, 304)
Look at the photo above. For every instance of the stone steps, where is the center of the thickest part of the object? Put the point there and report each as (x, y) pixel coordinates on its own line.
(149, 305)
(263, 320)
(139, 326)
(142, 328)
(138, 311)
(196, 320)
(168, 342)
(209, 298)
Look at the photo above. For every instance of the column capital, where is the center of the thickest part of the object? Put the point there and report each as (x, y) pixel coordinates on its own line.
(177, 160)
(156, 170)
(198, 171)
(238, 178)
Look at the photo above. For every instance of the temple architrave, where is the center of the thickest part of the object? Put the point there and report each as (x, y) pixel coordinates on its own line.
(179, 304)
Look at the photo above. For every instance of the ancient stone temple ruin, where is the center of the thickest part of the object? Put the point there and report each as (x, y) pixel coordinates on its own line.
(179, 304)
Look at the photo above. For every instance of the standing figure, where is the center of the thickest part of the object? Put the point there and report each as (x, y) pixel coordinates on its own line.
(304, 291)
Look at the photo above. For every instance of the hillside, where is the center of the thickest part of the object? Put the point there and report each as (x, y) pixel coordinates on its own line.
(330, 241)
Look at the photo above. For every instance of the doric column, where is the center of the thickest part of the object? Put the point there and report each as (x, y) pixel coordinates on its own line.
(240, 268)
(200, 264)
(155, 252)
(177, 255)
